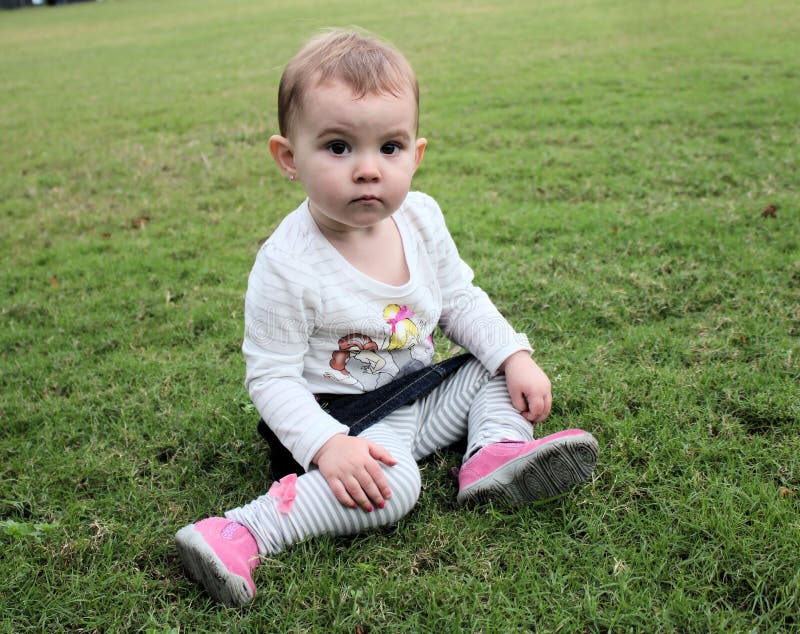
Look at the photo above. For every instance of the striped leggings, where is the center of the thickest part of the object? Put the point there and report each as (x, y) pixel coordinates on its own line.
(469, 404)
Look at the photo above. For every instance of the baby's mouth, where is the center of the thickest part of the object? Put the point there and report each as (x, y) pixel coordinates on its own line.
(366, 199)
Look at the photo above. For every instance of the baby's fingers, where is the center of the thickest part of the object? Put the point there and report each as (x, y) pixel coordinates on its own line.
(380, 484)
(532, 408)
(535, 408)
(381, 453)
(341, 494)
(548, 405)
(519, 401)
(538, 408)
(357, 492)
(372, 492)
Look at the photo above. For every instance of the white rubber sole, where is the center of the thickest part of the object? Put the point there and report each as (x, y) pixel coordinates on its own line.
(205, 567)
(544, 474)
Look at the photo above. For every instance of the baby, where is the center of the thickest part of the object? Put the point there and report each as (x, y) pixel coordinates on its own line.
(340, 310)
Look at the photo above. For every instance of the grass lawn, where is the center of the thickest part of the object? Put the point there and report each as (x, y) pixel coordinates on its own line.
(621, 174)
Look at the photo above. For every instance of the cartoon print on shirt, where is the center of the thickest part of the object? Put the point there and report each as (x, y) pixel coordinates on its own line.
(399, 318)
(359, 361)
(405, 333)
(364, 350)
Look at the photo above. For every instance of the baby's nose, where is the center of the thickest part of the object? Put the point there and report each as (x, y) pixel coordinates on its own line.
(367, 171)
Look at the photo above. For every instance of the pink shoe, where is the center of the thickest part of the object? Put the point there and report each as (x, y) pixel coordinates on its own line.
(221, 555)
(517, 471)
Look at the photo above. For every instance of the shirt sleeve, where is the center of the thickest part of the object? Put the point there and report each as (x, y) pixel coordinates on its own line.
(278, 317)
(469, 317)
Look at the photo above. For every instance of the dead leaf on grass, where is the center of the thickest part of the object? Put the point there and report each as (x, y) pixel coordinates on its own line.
(770, 211)
(786, 492)
(54, 281)
(140, 222)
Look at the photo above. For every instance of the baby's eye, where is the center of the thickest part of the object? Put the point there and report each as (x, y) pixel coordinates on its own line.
(338, 147)
(391, 148)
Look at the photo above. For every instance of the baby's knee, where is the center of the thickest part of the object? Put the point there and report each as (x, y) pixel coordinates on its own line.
(405, 483)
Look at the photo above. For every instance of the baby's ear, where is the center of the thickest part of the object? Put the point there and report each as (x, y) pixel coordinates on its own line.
(281, 149)
(421, 144)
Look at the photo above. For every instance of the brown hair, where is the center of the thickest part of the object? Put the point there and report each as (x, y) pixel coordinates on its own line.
(364, 63)
(346, 345)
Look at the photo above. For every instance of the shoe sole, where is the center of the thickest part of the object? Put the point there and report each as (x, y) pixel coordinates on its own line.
(206, 568)
(543, 475)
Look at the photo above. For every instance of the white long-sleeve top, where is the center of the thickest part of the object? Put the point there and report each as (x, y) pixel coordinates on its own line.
(315, 324)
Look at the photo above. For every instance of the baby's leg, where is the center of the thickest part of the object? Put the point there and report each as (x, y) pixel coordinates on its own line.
(221, 553)
(470, 404)
(492, 417)
(316, 511)
(502, 459)
(504, 462)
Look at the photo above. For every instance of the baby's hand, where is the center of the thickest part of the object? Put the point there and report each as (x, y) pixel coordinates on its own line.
(528, 386)
(350, 466)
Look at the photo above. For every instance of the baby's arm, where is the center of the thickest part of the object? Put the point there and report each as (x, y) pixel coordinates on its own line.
(280, 305)
(470, 318)
(528, 386)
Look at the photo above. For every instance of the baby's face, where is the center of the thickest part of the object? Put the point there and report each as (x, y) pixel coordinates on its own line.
(355, 157)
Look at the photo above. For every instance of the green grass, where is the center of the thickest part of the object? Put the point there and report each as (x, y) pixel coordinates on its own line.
(603, 165)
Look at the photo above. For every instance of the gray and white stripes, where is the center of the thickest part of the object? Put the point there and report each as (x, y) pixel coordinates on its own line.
(471, 404)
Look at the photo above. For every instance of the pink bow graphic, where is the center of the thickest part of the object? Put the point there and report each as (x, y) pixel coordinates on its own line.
(402, 314)
(284, 491)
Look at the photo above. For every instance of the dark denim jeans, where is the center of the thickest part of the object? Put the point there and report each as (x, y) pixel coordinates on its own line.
(360, 411)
